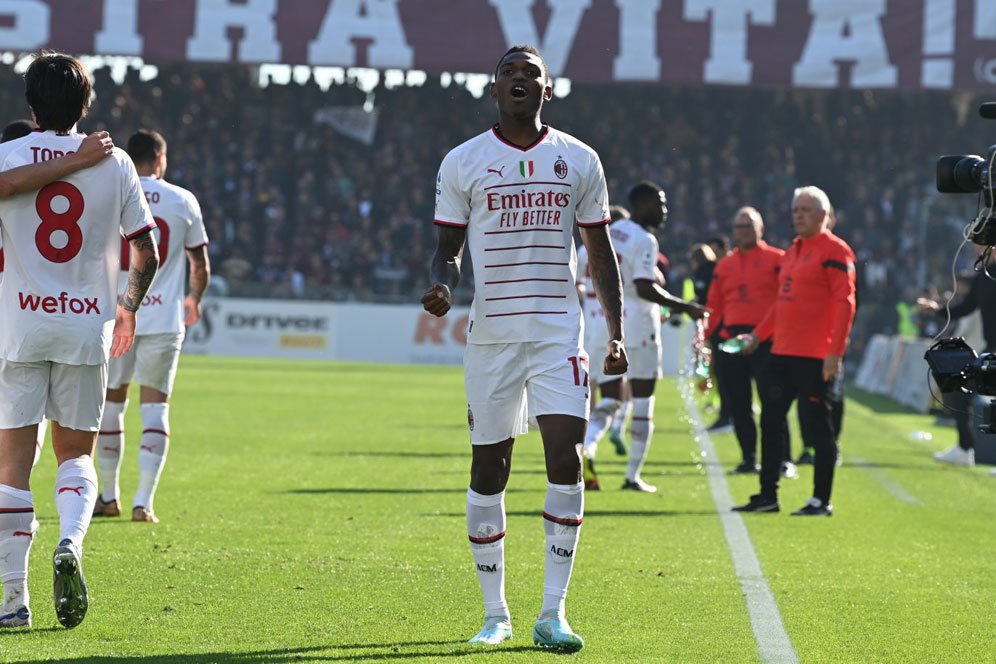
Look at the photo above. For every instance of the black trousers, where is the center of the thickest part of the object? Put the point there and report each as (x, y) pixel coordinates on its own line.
(734, 374)
(789, 378)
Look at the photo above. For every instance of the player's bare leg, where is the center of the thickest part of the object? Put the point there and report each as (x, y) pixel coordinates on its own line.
(641, 431)
(563, 512)
(489, 471)
(110, 449)
(17, 522)
(75, 496)
(152, 452)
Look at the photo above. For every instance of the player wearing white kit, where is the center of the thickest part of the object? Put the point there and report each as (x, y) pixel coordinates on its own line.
(514, 194)
(153, 359)
(60, 323)
(637, 247)
(596, 338)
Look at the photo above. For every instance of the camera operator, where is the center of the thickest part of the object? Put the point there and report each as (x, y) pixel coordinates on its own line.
(981, 296)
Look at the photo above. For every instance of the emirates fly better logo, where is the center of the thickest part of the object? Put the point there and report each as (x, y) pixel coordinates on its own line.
(526, 169)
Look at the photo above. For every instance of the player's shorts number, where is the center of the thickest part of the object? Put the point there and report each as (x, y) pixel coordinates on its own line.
(52, 221)
(163, 245)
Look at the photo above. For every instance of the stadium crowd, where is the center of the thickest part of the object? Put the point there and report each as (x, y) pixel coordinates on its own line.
(296, 209)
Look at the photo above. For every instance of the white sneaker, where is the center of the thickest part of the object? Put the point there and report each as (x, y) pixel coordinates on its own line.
(789, 471)
(992, 473)
(956, 456)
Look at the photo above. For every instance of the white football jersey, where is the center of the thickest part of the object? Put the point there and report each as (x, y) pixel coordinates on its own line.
(179, 226)
(591, 307)
(519, 206)
(62, 247)
(637, 252)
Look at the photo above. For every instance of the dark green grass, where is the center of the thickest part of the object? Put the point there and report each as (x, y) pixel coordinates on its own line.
(314, 512)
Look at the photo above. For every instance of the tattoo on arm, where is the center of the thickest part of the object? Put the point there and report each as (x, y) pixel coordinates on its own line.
(144, 264)
(445, 267)
(605, 276)
(200, 272)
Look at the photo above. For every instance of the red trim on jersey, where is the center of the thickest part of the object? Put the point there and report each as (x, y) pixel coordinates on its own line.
(16, 510)
(525, 230)
(523, 313)
(519, 281)
(486, 540)
(520, 184)
(520, 297)
(148, 228)
(591, 296)
(562, 520)
(527, 246)
(159, 431)
(440, 222)
(641, 419)
(526, 263)
(197, 246)
(539, 139)
(109, 433)
(593, 224)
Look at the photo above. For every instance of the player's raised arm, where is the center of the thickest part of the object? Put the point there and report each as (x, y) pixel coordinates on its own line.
(608, 286)
(444, 271)
(144, 264)
(200, 275)
(93, 150)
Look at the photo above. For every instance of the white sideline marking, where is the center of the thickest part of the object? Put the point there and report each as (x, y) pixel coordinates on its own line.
(897, 491)
(773, 641)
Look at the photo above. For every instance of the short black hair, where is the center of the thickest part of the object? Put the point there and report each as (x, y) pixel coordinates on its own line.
(524, 48)
(58, 89)
(644, 191)
(617, 212)
(17, 129)
(145, 146)
(719, 241)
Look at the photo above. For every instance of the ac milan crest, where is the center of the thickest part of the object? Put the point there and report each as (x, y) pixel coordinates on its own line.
(560, 168)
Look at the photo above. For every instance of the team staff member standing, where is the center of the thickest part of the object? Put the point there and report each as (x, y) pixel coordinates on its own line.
(743, 288)
(514, 194)
(811, 320)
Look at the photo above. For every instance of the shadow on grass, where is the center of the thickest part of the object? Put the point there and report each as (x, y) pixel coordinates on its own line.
(372, 490)
(588, 514)
(311, 654)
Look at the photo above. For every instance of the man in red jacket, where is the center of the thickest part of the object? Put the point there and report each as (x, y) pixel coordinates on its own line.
(743, 288)
(810, 320)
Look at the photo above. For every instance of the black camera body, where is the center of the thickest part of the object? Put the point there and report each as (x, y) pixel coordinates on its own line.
(970, 174)
(955, 366)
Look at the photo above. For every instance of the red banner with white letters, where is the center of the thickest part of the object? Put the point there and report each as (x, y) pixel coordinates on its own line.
(901, 44)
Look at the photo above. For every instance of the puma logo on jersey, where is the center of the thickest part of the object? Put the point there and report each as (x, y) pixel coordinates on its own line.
(498, 171)
(21, 533)
(78, 490)
(147, 448)
(63, 304)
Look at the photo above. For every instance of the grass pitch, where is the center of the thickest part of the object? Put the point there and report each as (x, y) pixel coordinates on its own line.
(314, 512)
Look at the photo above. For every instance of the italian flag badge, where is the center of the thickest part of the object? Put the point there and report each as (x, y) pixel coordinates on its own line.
(526, 169)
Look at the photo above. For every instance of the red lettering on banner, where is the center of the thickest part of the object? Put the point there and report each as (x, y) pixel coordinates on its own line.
(63, 304)
(432, 330)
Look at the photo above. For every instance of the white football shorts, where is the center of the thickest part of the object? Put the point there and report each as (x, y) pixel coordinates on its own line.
(596, 342)
(151, 362)
(645, 355)
(505, 382)
(70, 394)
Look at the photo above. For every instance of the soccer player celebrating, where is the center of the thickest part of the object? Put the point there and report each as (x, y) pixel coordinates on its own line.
(153, 359)
(60, 323)
(515, 193)
(636, 247)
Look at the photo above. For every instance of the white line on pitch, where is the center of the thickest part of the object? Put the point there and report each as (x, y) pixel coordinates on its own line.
(897, 491)
(773, 641)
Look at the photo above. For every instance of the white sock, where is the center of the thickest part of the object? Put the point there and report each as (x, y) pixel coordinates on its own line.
(486, 530)
(75, 496)
(152, 453)
(110, 448)
(599, 420)
(622, 415)
(17, 530)
(42, 426)
(562, 516)
(641, 430)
